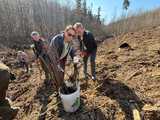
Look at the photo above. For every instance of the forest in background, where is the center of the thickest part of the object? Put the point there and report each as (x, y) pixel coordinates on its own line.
(20, 17)
(131, 22)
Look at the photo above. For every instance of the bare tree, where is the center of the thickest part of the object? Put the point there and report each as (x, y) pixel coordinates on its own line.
(19, 17)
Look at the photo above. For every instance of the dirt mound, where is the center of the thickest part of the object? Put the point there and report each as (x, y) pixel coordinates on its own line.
(128, 80)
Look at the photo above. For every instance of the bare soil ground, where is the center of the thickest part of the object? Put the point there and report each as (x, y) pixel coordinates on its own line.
(125, 77)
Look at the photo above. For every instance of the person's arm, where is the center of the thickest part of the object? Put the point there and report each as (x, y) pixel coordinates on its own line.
(54, 53)
(92, 38)
(92, 43)
(34, 48)
(54, 46)
(45, 44)
(18, 57)
(72, 52)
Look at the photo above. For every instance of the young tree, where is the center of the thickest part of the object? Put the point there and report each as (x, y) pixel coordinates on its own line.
(126, 4)
(84, 7)
(99, 15)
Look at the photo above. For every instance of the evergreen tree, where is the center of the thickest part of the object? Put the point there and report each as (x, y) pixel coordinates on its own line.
(99, 15)
(126, 4)
(84, 7)
(78, 4)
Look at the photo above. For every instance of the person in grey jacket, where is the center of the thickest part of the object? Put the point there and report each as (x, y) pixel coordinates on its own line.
(59, 48)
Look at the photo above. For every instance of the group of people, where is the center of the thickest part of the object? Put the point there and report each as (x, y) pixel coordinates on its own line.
(61, 45)
(56, 50)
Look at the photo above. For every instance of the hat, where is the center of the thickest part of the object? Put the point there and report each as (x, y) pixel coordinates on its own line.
(34, 33)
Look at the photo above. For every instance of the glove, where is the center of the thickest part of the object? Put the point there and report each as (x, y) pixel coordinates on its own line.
(32, 46)
(83, 54)
(69, 84)
(77, 61)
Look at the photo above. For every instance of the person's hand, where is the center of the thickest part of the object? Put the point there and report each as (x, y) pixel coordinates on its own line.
(32, 46)
(77, 61)
(83, 53)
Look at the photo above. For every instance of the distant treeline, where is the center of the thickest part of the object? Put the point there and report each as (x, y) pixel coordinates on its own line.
(134, 22)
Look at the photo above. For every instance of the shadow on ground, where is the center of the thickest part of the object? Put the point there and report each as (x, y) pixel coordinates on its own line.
(83, 113)
(120, 92)
(43, 94)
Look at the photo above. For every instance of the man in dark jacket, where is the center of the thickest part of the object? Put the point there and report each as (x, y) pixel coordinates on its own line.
(40, 50)
(58, 51)
(88, 48)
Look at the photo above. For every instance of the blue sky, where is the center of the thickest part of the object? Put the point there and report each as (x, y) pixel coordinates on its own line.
(112, 8)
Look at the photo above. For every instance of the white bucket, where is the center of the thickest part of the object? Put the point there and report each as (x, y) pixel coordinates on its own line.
(71, 102)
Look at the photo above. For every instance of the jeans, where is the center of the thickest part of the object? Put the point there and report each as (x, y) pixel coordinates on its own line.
(92, 61)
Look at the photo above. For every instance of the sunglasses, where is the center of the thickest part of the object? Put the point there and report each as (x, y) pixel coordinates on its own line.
(70, 35)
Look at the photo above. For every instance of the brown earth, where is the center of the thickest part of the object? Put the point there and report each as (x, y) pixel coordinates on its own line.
(126, 77)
